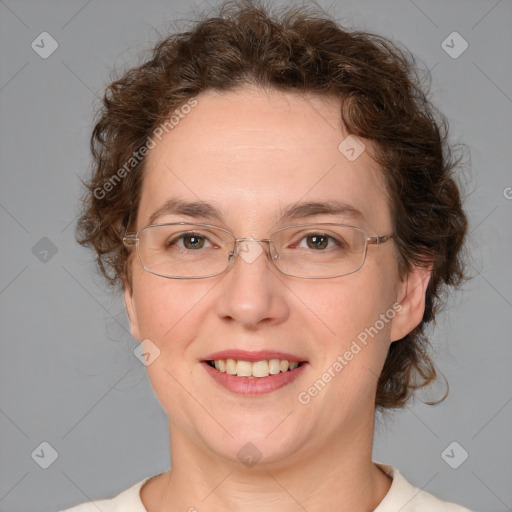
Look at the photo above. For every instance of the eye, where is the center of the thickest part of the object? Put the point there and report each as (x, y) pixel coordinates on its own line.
(189, 241)
(320, 241)
(317, 241)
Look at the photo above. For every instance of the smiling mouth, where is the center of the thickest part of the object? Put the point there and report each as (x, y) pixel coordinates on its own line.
(256, 369)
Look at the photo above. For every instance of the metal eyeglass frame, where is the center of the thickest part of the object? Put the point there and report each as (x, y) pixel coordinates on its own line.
(131, 240)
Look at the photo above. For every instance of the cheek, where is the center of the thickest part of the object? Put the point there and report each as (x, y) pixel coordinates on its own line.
(158, 303)
(353, 318)
(351, 306)
(169, 312)
(163, 307)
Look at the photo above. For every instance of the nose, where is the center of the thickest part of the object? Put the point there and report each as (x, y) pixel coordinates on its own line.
(252, 289)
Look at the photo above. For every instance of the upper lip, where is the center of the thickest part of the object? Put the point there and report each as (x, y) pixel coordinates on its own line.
(258, 355)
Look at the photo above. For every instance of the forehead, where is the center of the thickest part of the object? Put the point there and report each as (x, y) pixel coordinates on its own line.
(253, 153)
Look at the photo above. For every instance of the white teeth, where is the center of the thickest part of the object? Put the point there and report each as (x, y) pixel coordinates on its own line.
(257, 369)
(273, 366)
(243, 368)
(231, 366)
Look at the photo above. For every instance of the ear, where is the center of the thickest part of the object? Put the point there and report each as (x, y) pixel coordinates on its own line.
(411, 298)
(131, 312)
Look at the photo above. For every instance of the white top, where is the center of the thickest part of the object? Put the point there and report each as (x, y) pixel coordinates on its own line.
(402, 496)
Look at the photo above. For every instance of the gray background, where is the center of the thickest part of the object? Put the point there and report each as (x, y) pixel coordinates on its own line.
(68, 373)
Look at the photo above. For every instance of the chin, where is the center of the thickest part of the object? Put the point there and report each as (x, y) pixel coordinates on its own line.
(263, 446)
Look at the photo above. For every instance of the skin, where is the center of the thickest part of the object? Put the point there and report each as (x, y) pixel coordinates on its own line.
(250, 153)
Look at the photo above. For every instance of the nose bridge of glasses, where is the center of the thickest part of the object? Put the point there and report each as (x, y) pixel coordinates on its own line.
(250, 253)
(250, 239)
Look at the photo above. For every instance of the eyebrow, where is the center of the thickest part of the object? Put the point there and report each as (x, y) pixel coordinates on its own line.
(204, 210)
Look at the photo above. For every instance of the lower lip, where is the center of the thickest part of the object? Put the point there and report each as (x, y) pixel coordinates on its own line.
(257, 385)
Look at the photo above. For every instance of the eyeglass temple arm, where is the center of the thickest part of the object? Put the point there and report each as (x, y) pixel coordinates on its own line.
(130, 240)
(379, 239)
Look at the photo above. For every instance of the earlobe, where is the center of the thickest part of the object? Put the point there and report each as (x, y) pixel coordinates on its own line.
(131, 312)
(411, 297)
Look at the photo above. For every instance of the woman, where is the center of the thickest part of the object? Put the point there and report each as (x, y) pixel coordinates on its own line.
(274, 197)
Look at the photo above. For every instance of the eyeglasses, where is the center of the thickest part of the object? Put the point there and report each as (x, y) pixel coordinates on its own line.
(182, 250)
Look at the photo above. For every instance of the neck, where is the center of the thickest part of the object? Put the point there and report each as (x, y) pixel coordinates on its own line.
(340, 476)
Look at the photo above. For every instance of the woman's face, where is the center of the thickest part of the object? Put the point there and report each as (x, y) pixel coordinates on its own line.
(251, 155)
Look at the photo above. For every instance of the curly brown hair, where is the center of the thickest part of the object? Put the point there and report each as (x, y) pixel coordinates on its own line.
(301, 50)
